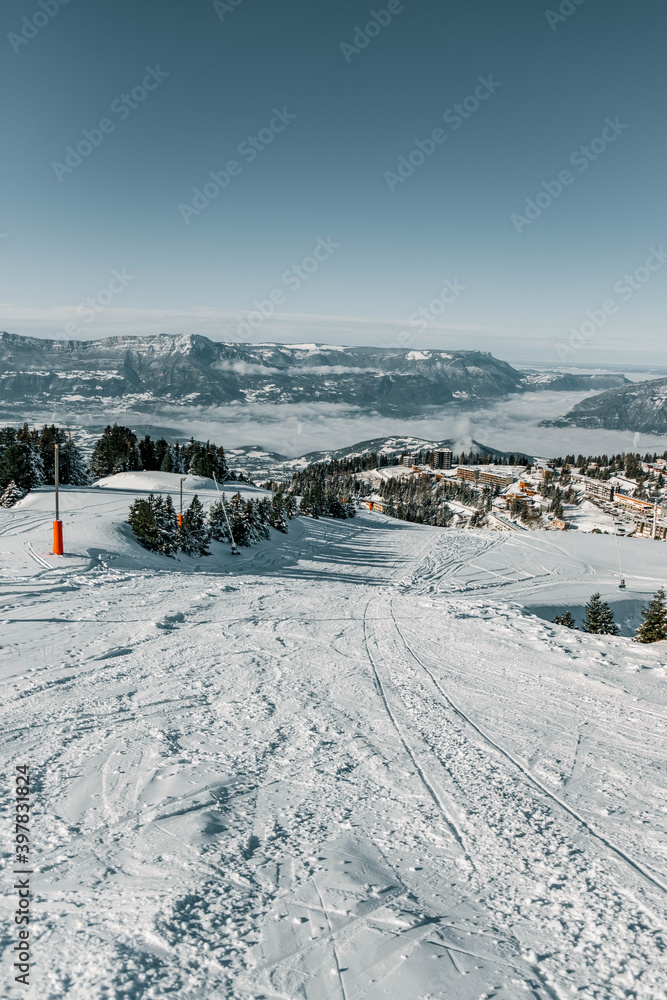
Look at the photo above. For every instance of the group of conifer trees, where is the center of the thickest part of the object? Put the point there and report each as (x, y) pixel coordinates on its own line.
(422, 501)
(318, 501)
(327, 489)
(27, 460)
(600, 620)
(120, 450)
(155, 523)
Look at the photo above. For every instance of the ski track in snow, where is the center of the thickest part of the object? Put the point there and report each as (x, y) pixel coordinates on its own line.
(346, 765)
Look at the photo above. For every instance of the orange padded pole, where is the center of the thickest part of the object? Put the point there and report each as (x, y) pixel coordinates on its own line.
(58, 549)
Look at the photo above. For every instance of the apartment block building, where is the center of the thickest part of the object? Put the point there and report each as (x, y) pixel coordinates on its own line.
(442, 459)
(467, 473)
(598, 489)
(496, 479)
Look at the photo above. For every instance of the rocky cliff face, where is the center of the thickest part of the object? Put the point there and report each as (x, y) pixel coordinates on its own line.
(146, 373)
(640, 406)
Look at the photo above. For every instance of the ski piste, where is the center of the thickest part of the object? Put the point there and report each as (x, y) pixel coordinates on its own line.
(356, 761)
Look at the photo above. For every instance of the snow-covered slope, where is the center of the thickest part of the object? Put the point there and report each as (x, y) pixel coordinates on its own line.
(349, 764)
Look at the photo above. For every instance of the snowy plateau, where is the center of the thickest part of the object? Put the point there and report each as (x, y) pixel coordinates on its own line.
(358, 761)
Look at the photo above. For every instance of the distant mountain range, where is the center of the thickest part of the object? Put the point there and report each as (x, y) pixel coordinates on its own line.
(639, 407)
(148, 373)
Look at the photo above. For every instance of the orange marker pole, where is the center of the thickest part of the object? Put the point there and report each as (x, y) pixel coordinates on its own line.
(58, 548)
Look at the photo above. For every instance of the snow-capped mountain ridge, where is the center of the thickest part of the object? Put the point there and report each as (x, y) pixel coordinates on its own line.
(150, 372)
(640, 407)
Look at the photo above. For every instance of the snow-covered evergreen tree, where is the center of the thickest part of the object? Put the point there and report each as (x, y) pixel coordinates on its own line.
(144, 522)
(36, 465)
(16, 465)
(75, 468)
(217, 522)
(290, 507)
(155, 524)
(334, 507)
(194, 534)
(116, 451)
(277, 514)
(565, 619)
(178, 460)
(168, 530)
(599, 618)
(654, 625)
(11, 495)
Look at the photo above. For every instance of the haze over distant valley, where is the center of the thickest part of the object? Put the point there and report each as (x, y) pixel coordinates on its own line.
(296, 399)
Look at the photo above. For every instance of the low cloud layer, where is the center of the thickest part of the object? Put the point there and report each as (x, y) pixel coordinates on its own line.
(509, 425)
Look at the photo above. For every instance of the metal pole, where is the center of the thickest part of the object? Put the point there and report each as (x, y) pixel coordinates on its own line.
(180, 515)
(57, 477)
(235, 551)
(58, 548)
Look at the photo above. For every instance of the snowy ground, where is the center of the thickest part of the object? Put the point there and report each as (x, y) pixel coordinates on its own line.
(349, 764)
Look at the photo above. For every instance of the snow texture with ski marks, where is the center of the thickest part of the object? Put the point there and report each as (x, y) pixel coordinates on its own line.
(348, 764)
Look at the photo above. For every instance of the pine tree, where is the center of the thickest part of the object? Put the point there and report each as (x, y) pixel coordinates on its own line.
(167, 521)
(217, 522)
(16, 465)
(654, 626)
(116, 451)
(36, 465)
(178, 460)
(334, 507)
(599, 618)
(308, 505)
(194, 535)
(147, 452)
(11, 495)
(254, 526)
(565, 619)
(277, 515)
(76, 473)
(144, 523)
(205, 460)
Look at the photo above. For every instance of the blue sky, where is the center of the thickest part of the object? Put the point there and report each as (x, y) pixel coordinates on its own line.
(328, 122)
